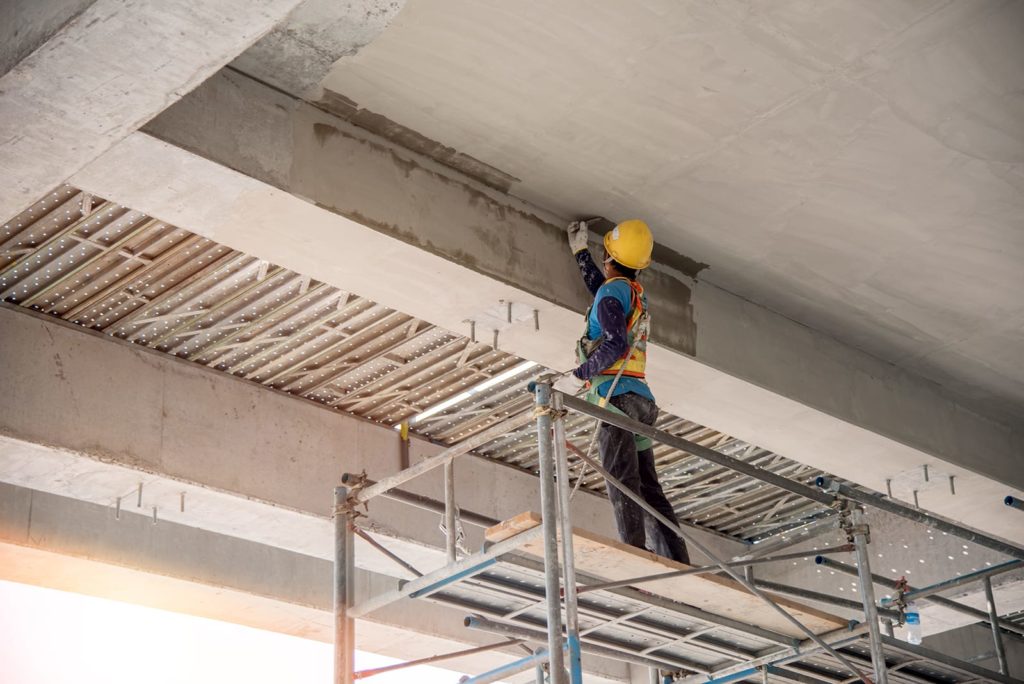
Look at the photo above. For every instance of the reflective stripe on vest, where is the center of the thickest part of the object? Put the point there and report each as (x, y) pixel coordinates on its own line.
(634, 361)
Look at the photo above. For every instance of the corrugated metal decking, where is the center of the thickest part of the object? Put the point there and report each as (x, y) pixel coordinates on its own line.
(113, 269)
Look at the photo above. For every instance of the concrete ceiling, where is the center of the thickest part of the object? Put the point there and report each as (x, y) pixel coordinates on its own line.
(856, 166)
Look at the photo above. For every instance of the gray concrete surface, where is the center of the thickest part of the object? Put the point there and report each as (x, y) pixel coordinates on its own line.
(27, 24)
(974, 643)
(420, 238)
(67, 544)
(836, 189)
(89, 418)
(95, 417)
(89, 74)
(857, 167)
(92, 417)
(300, 51)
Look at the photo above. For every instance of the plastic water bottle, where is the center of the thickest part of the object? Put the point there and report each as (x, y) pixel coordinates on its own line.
(912, 620)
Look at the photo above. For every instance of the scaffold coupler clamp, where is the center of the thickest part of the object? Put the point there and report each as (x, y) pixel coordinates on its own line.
(900, 600)
(852, 523)
(852, 529)
(355, 484)
(829, 484)
(547, 410)
(845, 524)
(844, 509)
(539, 411)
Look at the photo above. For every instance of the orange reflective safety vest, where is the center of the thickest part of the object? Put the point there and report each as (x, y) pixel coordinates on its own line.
(633, 362)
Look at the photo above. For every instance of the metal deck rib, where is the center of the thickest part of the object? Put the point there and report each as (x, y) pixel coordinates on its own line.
(109, 268)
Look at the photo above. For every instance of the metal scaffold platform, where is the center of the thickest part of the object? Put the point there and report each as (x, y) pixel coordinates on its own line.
(561, 602)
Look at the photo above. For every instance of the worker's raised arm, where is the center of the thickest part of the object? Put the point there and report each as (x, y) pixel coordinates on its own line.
(592, 276)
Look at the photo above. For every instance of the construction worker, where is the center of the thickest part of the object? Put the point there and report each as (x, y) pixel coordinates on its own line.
(612, 355)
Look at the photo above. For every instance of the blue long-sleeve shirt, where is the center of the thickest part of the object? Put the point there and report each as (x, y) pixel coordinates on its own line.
(612, 301)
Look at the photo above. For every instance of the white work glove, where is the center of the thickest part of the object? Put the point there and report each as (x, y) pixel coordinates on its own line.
(578, 236)
(569, 384)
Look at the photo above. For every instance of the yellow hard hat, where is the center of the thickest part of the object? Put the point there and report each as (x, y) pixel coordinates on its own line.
(630, 243)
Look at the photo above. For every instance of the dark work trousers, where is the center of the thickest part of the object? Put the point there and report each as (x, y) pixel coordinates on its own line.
(635, 469)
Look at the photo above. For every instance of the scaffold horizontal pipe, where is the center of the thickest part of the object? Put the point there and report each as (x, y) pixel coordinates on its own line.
(824, 494)
(818, 596)
(735, 676)
(970, 577)
(749, 586)
(594, 610)
(734, 464)
(509, 669)
(835, 639)
(917, 515)
(401, 477)
(433, 581)
(976, 672)
(670, 605)
(428, 504)
(609, 644)
(792, 537)
(938, 600)
(364, 674)
(394, 557)
(483, 624)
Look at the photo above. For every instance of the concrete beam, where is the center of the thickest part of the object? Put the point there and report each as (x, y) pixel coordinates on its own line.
(974, 644)
(88, 74)
(418, 237)
(92, 417)
(27, 24)
(66, 544)
(299, 52)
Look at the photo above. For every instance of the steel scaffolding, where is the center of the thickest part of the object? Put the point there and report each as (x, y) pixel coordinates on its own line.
(569, 613)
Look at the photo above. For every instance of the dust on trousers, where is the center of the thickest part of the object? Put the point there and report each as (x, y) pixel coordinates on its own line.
(635, 469)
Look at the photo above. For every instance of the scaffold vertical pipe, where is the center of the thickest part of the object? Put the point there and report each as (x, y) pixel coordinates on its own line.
(451, 534)
(572, 622)
(344, 569)
(867, 596)
(637, 427)
(993, 621)
(549, 521)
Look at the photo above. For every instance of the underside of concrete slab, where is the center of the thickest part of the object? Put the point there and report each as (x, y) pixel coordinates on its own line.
(451, 250)
(79, 76)
(856, 167)
(836, 194)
